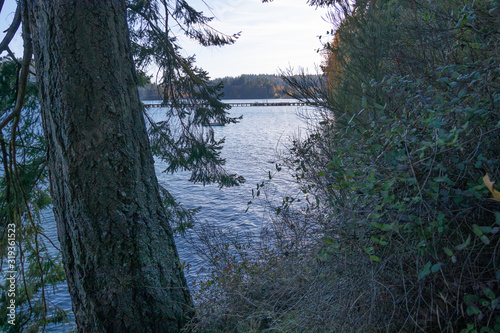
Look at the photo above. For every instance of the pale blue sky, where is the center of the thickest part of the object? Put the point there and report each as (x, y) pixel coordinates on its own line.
(278, 35)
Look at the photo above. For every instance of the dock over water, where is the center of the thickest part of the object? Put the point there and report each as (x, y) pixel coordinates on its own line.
(159, 105)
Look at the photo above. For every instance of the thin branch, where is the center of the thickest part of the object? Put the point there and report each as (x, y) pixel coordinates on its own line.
(23, 81)
(12, 30)
(13, 57)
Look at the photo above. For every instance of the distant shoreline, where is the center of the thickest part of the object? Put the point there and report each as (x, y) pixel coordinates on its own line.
(262, 86)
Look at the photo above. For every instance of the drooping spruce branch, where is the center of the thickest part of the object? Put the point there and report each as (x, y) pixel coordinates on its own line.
(182, 138)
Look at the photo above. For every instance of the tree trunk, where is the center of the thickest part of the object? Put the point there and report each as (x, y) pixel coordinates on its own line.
(119, 254)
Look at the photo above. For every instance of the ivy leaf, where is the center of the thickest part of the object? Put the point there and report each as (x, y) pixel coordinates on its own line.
(489, 185)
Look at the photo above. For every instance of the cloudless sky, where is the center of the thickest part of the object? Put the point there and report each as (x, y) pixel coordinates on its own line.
(282, 34)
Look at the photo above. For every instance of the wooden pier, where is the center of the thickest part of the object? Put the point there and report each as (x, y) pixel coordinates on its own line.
(159, 105)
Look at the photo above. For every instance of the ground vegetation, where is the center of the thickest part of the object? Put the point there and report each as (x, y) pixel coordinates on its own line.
(396, 224)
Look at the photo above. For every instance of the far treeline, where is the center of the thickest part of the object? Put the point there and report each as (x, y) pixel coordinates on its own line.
(247, 86)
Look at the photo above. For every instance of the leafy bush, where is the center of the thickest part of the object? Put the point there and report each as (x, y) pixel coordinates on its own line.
(403, 230)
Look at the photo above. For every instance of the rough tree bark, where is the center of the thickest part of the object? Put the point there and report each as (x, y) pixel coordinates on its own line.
(120, 258)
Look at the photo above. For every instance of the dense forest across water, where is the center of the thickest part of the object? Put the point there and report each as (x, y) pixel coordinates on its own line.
(253, 86)
(246, 86)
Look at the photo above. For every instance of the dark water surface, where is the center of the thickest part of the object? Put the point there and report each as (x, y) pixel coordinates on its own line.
(250, 150)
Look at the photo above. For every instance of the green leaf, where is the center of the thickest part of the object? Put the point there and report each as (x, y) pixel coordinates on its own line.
(322, 174)
(489, 293)
(477, 230)
(445, 79)
(448, 251)
(374, 258)
(462, 93)
(464, 245)
(336, 162)
(485, 240)
(327, 240)
(386, 227)
(435, 268)
(422, 243)
(461, 22)
(486, 230)
(425, 271)
(371, 178)
(423, 274)
(472, 310)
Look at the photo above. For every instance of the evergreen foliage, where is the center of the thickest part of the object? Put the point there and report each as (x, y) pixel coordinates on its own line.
(180, 138)
(23, 194)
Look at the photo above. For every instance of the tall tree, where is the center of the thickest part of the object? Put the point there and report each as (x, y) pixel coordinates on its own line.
(87, 88)
(120, 259)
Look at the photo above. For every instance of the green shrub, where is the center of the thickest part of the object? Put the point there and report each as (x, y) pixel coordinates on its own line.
(400, 231)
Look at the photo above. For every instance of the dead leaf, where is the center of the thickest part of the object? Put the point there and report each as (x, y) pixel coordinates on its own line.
(489, 185)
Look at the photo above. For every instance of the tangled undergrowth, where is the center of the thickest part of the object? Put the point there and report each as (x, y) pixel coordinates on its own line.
(401, 231)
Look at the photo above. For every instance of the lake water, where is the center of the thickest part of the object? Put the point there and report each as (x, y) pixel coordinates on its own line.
(250, 150)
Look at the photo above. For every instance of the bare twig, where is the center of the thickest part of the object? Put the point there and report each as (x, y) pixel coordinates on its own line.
(11, 31)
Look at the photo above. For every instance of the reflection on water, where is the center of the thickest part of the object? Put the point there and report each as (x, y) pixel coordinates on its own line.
(251, 151)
